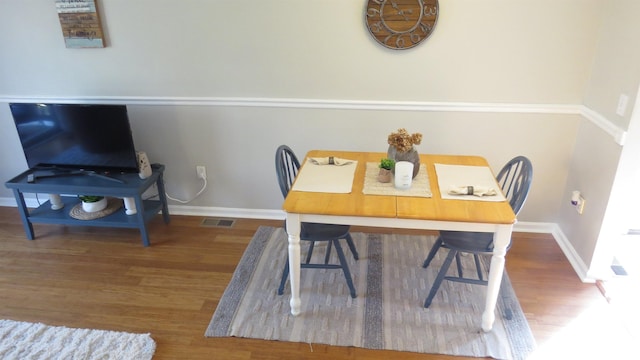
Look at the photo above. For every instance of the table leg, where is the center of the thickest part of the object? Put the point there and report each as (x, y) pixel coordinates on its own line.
(142, 225)
(501, 239)
(24, 214)
(163, 198)
(293, 230)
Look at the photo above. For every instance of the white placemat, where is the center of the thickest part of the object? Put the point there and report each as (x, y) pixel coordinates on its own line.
(325, 178)
(465, 175)
(420, 186)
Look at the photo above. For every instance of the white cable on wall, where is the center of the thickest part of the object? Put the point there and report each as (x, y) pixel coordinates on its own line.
(204, 186)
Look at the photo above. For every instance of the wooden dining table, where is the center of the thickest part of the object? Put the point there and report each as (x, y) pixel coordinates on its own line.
(408, 212)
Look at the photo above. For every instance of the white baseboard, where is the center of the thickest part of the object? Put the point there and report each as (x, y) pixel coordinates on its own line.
(534, 227)
(269, 214)
(570, 252)
(8, 202)
(226, 212)
(266, 214)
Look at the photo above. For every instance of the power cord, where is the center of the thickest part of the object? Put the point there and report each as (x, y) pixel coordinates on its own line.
(204, 186)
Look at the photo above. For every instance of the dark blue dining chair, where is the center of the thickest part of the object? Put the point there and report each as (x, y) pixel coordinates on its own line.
(515, 181)
(287, 166)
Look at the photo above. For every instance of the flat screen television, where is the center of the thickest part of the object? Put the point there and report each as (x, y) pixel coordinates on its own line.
(90, 137)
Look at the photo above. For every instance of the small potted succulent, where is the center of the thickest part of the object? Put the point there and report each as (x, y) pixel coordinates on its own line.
(93, 203)
(384, 175)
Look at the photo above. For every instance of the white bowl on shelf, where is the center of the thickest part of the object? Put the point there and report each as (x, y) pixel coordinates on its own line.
(94, 206)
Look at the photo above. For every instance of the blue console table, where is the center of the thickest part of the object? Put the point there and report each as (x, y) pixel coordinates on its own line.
(120, 185)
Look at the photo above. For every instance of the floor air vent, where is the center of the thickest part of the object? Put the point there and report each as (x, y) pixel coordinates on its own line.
(213, 222)
(619, 270)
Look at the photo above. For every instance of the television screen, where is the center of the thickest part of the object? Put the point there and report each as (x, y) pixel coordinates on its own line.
(75, 136)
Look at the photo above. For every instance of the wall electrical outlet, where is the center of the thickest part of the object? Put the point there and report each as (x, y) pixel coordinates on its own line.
(201, 171)
(580, 205)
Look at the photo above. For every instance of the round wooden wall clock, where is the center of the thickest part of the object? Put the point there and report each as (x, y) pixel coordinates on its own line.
(401, 24)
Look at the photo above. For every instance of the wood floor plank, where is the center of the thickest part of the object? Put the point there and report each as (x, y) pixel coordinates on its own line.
(104, 278)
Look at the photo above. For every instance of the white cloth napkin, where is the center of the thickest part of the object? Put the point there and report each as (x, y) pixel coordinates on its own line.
(472, 190)
(331, 160)
(458, 175)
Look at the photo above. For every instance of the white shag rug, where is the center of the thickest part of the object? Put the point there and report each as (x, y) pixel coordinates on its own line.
(30, 341)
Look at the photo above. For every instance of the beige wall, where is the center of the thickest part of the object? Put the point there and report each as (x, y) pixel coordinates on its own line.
(237, 146)
(592, 170)
(494, 52)
(615, 66)
(222, 83)
(512, 51)
(602, 170)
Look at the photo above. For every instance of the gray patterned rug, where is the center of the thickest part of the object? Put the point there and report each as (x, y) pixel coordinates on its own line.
(388, 312)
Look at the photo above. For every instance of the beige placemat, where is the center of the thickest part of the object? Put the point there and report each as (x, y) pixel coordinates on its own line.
(325, 178)
(420, 186)
(466, 175)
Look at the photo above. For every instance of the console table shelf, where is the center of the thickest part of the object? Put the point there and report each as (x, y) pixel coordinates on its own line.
(124, 185)
(45, 215)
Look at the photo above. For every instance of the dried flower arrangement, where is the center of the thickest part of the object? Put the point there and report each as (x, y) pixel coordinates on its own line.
(403, 141)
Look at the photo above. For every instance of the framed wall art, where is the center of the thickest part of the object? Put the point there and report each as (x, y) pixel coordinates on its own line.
(80, 23)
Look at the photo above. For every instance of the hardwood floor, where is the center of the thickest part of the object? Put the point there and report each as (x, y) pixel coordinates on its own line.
(104, 278)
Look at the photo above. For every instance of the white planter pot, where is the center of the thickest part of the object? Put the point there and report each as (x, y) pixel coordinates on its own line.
(94, 206)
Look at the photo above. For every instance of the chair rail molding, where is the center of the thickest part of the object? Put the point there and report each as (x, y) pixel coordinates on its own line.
(619, 135)
(596, 118)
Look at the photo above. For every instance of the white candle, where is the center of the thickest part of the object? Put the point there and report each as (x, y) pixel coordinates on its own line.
(403, 175)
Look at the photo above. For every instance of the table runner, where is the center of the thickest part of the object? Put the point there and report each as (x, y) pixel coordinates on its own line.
(465, 175)
(420, 186)
(325, 178)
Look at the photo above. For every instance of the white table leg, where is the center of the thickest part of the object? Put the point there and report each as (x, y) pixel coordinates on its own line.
(293, 230)
(501, 239)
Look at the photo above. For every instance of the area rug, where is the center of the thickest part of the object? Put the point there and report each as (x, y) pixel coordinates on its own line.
(388, 312)
(24, 340)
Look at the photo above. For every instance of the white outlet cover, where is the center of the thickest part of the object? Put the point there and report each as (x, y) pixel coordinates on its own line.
(622, 104)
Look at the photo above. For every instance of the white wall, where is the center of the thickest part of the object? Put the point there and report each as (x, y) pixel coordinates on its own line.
(222, 83)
